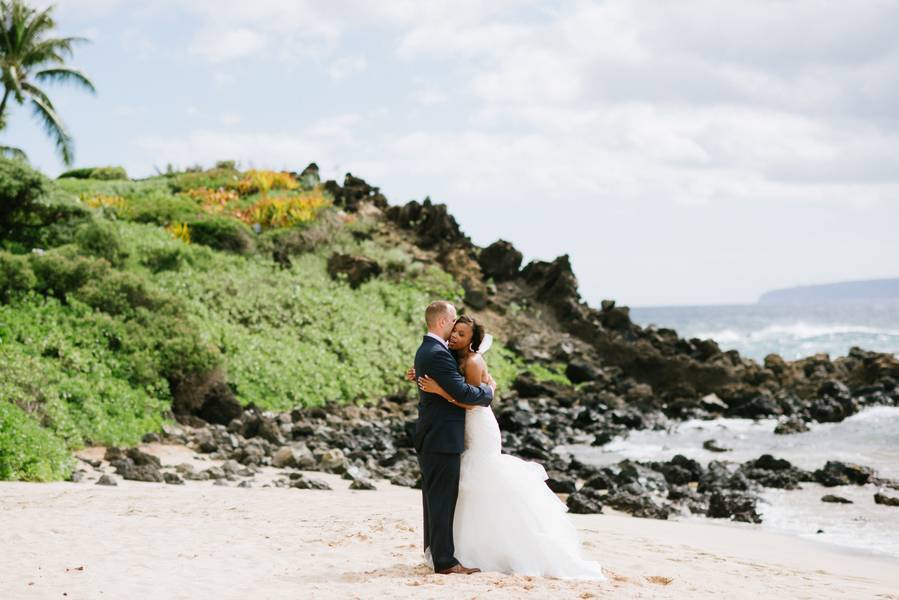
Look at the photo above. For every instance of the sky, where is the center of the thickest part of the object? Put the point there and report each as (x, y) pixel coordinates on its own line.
(682, 153)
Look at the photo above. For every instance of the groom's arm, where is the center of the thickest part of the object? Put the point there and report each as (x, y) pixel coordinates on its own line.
(446, 372)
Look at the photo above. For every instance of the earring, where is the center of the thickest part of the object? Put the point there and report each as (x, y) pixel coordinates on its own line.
(471, 347)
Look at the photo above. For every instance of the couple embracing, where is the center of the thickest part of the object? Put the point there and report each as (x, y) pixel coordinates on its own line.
(483, 510)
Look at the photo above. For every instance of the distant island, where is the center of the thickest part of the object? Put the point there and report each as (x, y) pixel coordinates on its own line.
(827, 292)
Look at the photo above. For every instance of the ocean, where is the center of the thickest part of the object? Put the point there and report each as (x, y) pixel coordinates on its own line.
(869, 438)
(793, 331)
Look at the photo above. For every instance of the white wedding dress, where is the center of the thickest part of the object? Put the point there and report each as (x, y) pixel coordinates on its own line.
(506, 518)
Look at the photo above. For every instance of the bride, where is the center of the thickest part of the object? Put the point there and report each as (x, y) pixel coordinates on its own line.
(506, 518)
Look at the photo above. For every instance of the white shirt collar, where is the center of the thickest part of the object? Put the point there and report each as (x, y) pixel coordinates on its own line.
(439, 339)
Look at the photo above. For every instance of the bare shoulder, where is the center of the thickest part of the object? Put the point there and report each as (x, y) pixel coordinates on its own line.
(474, 367)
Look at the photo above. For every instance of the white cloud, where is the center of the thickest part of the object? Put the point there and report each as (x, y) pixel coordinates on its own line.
(79, 6)
(429, 96)
(207, 146)
(338, 128)
(130, 110)
(217, 45)
(324, 141)
(230, 118)
(347, 67)
(137, 43)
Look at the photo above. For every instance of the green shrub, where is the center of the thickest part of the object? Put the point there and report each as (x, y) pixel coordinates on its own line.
(126, 188)
(61, 271)
(326, 233)
(183, 349)
(109, 173)
(164, 259)
(103, 378)
(28, 452)
(60, 215)
(222, 176)
(99, 173)
(504, 367)
(20, 188)
(15, 275)
(222, 233)
(100, 239)
(119, 293)
(80, 173)
(161, 209)
(91, 388)
(554, 373)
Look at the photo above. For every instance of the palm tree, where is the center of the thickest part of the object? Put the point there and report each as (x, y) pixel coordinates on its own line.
(28, 56)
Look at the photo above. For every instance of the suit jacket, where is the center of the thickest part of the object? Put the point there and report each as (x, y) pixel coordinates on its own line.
(441, 426)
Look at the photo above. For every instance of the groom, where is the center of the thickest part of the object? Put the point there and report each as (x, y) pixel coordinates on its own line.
(439, 435)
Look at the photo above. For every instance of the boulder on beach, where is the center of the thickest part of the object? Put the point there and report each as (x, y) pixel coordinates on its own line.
(835, 499)
(886, 500)
(836, 473)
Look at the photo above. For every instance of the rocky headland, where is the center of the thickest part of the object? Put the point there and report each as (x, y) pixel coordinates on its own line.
(618, 377)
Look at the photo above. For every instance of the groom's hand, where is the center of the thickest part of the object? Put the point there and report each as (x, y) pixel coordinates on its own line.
(410, 375)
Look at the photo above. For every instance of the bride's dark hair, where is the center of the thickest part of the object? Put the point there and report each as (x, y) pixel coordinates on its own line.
(477, 331)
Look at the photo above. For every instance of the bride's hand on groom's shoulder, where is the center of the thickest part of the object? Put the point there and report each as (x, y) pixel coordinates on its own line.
(410, 374)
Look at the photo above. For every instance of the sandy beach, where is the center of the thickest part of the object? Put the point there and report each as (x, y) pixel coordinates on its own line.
(152, 540)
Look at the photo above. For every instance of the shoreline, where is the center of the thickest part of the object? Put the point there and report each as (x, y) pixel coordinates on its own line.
(861, 527)
(202, 540)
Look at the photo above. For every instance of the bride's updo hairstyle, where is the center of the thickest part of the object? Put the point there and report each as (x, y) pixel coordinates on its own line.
(477, 331)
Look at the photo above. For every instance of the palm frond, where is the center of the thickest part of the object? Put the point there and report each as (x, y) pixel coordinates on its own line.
(29, 55)
(51, 50)
(53, 125)
(37, 23)
(13, 152)
(66, 75)
(13, 82)
(34, 91)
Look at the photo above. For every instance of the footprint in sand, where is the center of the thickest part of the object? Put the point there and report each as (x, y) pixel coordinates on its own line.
(658, 579)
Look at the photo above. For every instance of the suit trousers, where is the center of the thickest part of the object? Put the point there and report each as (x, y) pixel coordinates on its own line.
(439, 490)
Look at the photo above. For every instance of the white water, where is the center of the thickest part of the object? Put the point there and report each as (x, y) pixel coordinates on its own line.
(791, 330)
(870, 438)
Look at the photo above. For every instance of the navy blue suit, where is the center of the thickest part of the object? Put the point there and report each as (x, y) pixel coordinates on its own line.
(439, 441)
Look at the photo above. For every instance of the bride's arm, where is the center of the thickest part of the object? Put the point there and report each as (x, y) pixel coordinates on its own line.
(427, 384)
(475, 372)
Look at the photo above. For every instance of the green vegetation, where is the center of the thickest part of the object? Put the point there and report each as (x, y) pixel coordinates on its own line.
(29, 57)
(115, 315)
(552, 373)
(102, 173)
(20, 188)
(29, 452)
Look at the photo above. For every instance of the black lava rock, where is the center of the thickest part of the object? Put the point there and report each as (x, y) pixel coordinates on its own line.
(836, 473)
(835, 499)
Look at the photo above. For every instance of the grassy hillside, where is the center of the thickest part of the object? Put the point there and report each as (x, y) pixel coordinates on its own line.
(118, 297)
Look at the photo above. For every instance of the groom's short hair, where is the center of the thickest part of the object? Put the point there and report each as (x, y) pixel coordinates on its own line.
(436, 310)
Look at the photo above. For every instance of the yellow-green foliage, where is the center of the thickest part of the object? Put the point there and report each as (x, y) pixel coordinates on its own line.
(285, 211)
(180, 231)
(102, 200)
(254, 181)
(554, 373)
